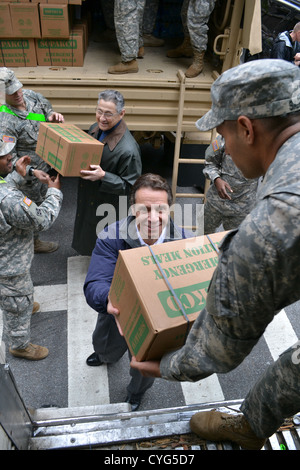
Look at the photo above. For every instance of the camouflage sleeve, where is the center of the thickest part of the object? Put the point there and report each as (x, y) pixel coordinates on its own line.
(21, 212)
(257, 276)
(213, 159)
(47, 106)
(40, 103)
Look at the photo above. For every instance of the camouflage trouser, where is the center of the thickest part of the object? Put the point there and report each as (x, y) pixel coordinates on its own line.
(16, 303)
(228, 213)
(195, 16)
(129, 27)
(150, 14)
(276, 395)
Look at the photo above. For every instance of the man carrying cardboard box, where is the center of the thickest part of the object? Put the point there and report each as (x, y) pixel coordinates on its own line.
(104, 186)
(256, 108)
(150, 223)
(20, 118)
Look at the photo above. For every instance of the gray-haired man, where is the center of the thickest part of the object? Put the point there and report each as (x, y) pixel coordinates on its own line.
(256, 108)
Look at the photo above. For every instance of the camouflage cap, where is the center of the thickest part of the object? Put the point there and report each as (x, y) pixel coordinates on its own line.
(257, 89)
(12, 84)
(7, 144)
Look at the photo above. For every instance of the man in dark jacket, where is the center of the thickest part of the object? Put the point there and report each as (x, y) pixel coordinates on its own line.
(151, 198)
(287, 46)
(105, 187)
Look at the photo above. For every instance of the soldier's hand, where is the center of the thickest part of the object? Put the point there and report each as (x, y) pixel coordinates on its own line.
(222, 187)
(21, 165)
(54, 182)
(42, 176)
(56, 117)
(147, 368)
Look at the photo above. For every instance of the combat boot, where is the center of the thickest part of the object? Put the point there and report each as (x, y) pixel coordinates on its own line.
(197, 66)
(141, 52)
(32, 352)
(36, 307)
(184, 50)
(152, 41)
(125, 67)
(216, 426)
(44, 247)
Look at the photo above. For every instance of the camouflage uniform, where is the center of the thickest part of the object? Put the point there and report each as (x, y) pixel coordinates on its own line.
(228, 212)
(128, 16)
(19, 217)
(26, 133)
(195, 16)
(150, 14)
(258, 271)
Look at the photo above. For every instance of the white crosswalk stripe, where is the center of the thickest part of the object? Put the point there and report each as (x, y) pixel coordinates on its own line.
(90, 386)
(87, 385)
(279, 335)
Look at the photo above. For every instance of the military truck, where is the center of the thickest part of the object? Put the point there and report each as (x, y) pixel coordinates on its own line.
(159, 98)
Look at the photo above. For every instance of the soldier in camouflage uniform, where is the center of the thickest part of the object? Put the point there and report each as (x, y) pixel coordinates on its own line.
(19, 217)
(128, 15)
(256, 108)
(150, 14)
(231, 196)
(195, 16)
(20, 117)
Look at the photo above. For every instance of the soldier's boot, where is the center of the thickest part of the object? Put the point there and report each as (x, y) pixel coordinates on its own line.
(216, 426)
(32, 352)
(152, 41)
(124, 67)
(197, 66)
(184, 50)
(44, 247)
(141, 52)
(36, 307)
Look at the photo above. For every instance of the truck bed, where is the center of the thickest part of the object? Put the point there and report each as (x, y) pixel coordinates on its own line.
(152, 96)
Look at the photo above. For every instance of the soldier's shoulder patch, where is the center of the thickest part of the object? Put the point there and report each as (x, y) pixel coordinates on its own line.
(27, 201)
(8, 139)
(215, 145)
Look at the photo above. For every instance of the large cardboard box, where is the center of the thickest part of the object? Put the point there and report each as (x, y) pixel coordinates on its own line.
(60, 2)
(6, 30)
(61, 52)
(157, 310)
(55, 21)
(67, 149)
(25, 20)
(17, 53)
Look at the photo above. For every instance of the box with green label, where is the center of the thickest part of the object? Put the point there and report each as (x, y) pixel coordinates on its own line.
(67, 149)
(160, 293)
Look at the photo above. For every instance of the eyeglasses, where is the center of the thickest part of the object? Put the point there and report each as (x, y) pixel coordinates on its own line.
(107, 114)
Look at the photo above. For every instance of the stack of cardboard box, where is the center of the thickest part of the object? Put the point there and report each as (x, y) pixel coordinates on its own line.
(41, 33)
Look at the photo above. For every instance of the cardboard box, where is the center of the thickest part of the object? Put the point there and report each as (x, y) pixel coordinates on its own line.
(25, 20)
(61, 52)
(6, 30)
(67, 149)
(60, 2)
(151, 320)
(55, 22)
(17, 53)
